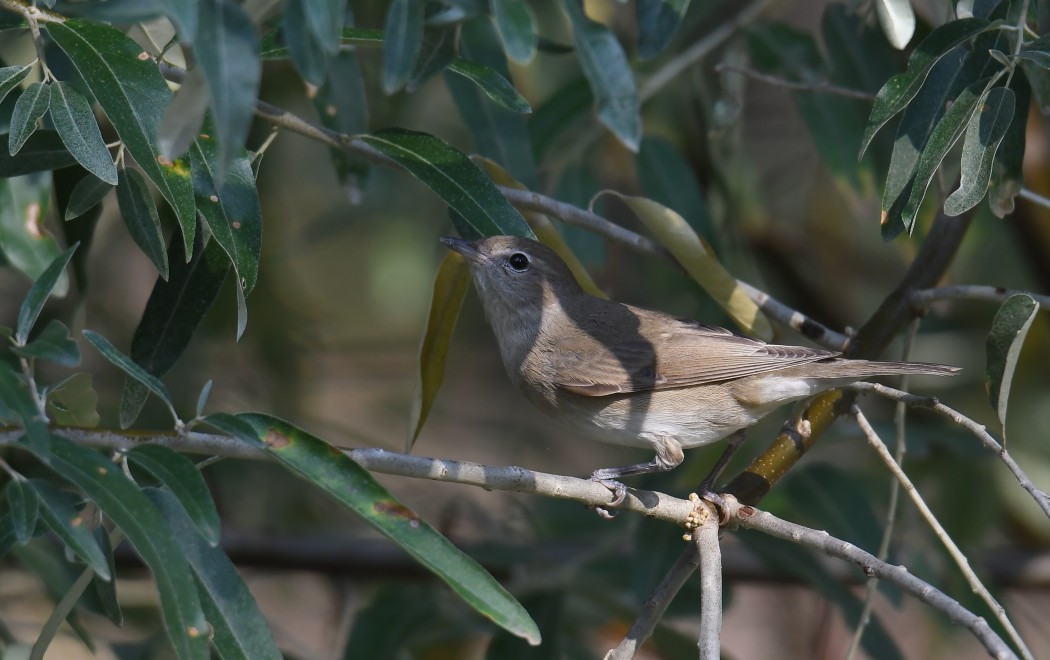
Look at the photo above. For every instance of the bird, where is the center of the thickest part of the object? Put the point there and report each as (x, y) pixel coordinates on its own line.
(638, 377)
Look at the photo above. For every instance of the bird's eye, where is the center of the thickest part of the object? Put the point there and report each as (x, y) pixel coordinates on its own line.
(519, 262)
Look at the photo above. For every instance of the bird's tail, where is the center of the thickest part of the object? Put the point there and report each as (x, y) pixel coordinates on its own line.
(843, 368)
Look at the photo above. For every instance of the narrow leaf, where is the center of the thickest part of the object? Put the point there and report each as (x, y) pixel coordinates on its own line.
(52, 344)
(674, 233)
(106, 590)
(11, 77)
(202, 398)
(1009, 329)
(185, 482)
(88, 192)
(984, 133)
(39, 293)
(76, 125)
(455, 179)
(331, 470)
(658, 21)
(125, 364)
(43, 151)
(120, 499)
(516, 25)
(901, 88)
(492, 84)
(57, 511)
(1008, 169)
(450, 288)
(141, 217)
(26, 243)
(239, 629)
(306, 51)
(29, 107)
(73, 402)
(133, 94)
(402, 41)
(18, 400)
(612, 81)
(24, 507)
(897, 19)
(184, 116)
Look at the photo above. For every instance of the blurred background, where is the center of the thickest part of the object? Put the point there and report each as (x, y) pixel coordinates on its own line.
(332, 340)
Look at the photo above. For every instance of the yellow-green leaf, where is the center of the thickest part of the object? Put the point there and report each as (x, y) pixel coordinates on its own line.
(674, 233)
(450, 288)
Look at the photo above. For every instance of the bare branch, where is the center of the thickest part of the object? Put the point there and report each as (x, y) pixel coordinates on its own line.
(1034, 197)
(706, 536)
(818, 88)
(973, 292)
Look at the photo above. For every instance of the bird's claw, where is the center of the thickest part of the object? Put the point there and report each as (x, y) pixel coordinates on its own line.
(619, 492)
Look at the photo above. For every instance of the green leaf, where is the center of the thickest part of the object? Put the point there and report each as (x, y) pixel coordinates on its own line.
(402, 42)
(391, 621)
(668, 178)
(945, 134)
(133, 95)
(141, 217)
(326, 19)
(492, 84)
(7, 534)
(25, 241)
(39, 293)
(125, 364)
(185, 482)
(61, 579)
(76, 125)
(984, 133)
(57, 511)
(1009, 329)
(1008, 169)
(182, 120)
(658, 21)
(202, 398)
(499, 134)
(450, 289)
(43, 151)
(239, 629)
(24, 508)
(106, 590)
(30, 107)
(342, 105)
(435, 54)
(227, 50)
(52, 344)
(901, 88)
(606, 67)
(516, 25)
(897, 19)
(73, 402)
(454, 178)
(306, 52)
(173, 313)
(564, 110)
(11, 77)
(120, 499)
(353, 486)
(88, 192)
(18, 400)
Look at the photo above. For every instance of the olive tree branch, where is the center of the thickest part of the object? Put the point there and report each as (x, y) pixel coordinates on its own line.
(818, 87)
(973, 292)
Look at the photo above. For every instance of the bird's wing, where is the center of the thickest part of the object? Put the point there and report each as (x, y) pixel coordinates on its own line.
(679, 354)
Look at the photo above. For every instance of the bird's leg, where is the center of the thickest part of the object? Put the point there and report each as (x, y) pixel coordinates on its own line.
(669, 455)
(706, 490)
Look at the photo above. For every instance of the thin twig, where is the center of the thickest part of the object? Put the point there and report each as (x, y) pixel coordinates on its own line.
(973, 292)
(986, 439)
(1034, 197)
(818, 88)
(709, 643)
(751, 518)
(953, 550)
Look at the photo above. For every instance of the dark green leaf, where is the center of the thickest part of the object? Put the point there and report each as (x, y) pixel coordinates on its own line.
(240, 631)
(76, 125)
(88, 192)
(106, 590)
(24, 507)
(353, 486)
(342, 104)
(185, 482)
(58, 512)
(227, 50)
(50, 563)
(454, 178)
(401, 43)
(606, 67)
(668, 178)
(39, 293)
(125, 364)
(564, 110)
(1039, 58)
(499, 134)
(493, 84)
(391, 622)
(141, 217)
(7, 534)
(133, 95)
(984, 133)
(52, 344)
(437, 51)
(73, 402)
(182, 120)
(173, 313)
(19, 400)
(11, 77)
(1009, 329)
(120, 499)
(516, 24)
(25, 242)
(326, 19)
(307, 54)
(43, 151)
(30, 107)
(901, 88)
(658, 21)
(202, 398)
(1008, 169)
(945, 134)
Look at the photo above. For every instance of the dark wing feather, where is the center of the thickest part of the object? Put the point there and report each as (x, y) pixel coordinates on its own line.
(689, 354)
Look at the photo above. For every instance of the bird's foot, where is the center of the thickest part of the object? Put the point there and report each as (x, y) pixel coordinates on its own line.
(618, 490)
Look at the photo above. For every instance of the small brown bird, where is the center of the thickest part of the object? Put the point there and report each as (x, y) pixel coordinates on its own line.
(636, 377)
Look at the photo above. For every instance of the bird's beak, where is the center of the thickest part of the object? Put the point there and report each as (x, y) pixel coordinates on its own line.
(467, 248)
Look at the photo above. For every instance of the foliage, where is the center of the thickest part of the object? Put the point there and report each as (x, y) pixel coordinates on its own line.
(97, 113)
